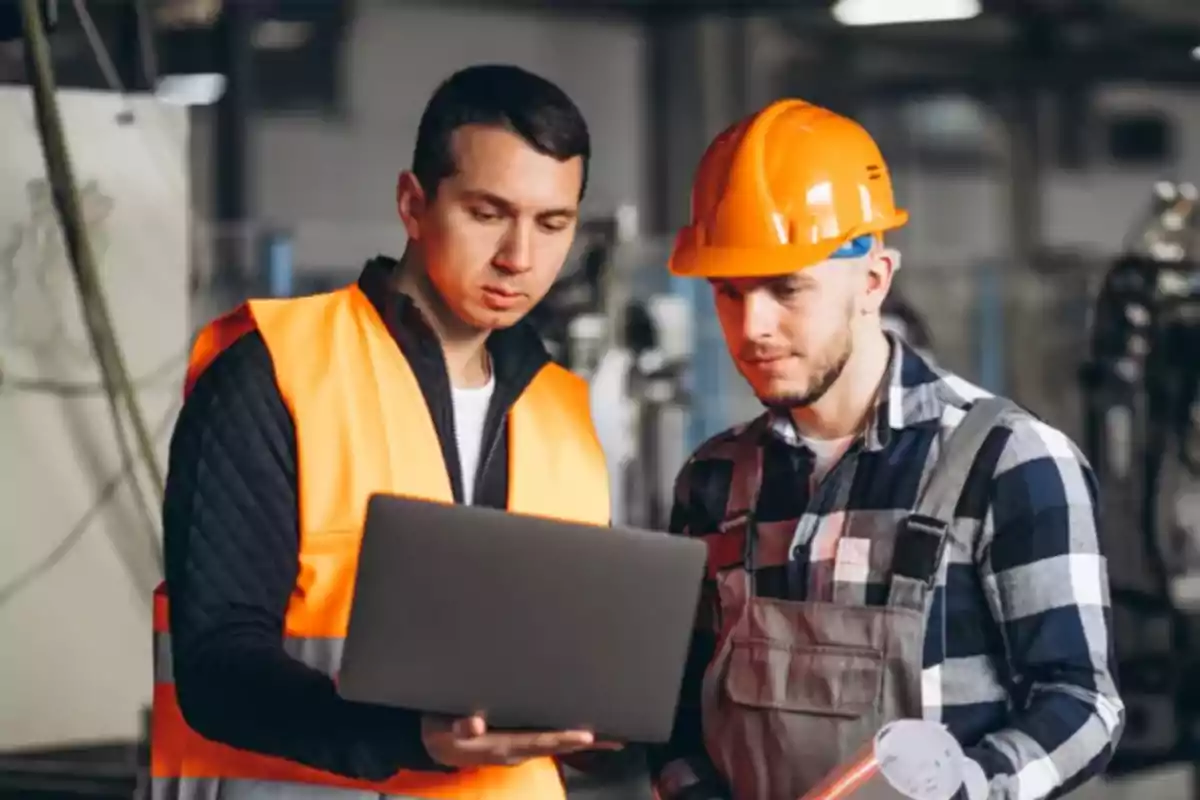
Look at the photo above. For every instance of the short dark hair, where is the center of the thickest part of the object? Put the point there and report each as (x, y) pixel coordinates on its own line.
(502, 96)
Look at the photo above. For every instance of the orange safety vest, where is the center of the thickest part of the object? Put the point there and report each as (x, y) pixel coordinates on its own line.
(362, 427)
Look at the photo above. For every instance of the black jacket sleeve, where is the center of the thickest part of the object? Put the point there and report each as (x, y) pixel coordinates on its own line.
(230, 523)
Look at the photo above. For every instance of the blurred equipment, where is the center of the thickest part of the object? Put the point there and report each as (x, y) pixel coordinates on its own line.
(655, 335)
(1142, 388)
(635, 347)
(572, 318)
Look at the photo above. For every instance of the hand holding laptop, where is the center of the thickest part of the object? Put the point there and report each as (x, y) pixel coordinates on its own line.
(467, 742)
(554, 633)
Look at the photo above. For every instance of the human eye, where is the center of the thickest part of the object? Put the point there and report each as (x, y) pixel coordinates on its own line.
(788, 290)
(727, 290)
(483, 214)
(554, 225)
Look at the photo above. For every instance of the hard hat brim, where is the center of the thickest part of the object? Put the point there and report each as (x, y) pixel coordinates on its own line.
(708, 261)
(747, 262)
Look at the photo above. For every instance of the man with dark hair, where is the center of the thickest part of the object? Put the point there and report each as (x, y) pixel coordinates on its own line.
(419, 379)
(498, 96)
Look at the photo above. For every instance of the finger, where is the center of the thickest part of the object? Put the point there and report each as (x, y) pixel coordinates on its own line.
(613, 746)
(470, 727)
(554, 751)
(515, 747)
(581, 738)
(531, 745)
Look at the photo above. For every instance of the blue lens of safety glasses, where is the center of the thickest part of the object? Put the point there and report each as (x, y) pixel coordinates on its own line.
(855, 248)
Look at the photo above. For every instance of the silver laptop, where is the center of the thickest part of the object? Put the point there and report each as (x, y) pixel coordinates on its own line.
(536, 623)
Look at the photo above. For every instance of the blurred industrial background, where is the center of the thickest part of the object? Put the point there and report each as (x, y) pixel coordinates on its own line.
(228, 149)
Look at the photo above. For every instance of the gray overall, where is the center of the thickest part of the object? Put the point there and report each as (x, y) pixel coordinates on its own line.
(798, 688)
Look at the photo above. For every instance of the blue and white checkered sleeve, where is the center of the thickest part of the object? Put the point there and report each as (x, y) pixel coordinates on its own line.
(1047, 585)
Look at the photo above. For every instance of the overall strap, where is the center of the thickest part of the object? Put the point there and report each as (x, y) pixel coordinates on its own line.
(922, 537)
(740, 526)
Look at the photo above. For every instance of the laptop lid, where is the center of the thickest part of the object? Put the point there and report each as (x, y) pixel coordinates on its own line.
(536, 623)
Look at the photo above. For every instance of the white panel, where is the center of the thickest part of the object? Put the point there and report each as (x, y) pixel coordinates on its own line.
(76, 639)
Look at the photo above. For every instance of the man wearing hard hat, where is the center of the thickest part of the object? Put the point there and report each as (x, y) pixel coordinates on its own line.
(887, 541)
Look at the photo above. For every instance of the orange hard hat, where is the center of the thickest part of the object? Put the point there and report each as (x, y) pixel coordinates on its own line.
(781, 190)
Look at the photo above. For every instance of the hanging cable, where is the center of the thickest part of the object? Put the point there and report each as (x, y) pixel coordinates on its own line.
(115, 375)
(146, 44)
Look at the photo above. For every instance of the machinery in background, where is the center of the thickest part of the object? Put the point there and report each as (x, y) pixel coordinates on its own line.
(579, 294)
(655, 336)
(1145, 368)
(1142, 434)
(606, 321)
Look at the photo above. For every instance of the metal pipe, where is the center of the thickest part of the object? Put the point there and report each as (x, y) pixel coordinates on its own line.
(1024, 213)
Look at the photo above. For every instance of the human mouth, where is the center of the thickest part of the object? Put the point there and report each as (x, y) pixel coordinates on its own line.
(499, 299)
(772, 364)
(766, 361)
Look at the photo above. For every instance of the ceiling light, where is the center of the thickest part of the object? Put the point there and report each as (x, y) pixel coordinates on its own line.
(892, 12)
(1196, 52)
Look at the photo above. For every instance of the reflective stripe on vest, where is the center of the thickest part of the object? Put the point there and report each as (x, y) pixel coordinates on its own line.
(236, 789)
(362, 427)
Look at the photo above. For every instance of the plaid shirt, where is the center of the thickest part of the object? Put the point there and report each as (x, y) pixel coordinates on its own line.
(1022, 674)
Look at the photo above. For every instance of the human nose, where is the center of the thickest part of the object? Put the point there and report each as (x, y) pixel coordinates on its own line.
(759, 315)
(516, 249)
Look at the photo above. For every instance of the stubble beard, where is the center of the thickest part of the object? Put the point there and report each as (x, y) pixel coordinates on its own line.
(825, 375)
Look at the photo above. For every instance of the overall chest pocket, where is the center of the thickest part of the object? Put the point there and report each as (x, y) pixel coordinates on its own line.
(821, 680)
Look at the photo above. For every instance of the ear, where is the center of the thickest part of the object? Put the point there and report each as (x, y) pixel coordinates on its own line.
(893, 257)
(410, 204)
(881, 268)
